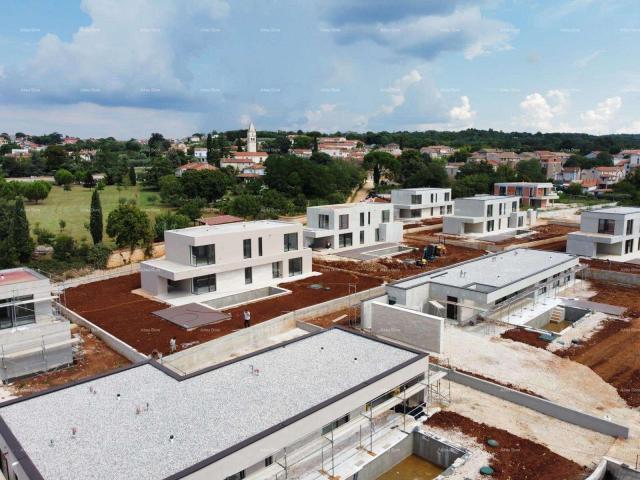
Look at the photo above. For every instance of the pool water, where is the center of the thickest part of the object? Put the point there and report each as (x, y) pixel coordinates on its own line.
(412, 468)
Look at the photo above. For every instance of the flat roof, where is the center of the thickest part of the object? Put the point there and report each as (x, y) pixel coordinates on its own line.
(491, 272)
(616, 210)
(420, 189)
(516, 184)
(489, 197)
(211, 413)
(19, 275)
(205, 230)
(341, 206)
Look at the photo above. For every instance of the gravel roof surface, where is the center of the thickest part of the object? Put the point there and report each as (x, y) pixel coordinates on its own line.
(206, 414)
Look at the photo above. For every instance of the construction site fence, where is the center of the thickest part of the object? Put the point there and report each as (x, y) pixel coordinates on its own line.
(113, 342)
(541, 405)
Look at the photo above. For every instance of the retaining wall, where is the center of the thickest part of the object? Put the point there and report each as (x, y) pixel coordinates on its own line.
(411, 327)
(541, 405)
(125, 256)
(113, 342)
(213, 351)
(631, 279)
(614, 470)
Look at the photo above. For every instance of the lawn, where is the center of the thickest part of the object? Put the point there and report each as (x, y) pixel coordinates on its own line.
(73, 207)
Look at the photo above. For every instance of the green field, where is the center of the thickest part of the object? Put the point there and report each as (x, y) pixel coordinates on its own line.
(73, 207)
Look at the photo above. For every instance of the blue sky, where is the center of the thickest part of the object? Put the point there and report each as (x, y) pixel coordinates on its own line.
(127, 68)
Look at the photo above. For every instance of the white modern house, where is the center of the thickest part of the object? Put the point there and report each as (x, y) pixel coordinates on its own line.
(487, 287)
(349, 225)
(420, 203)
(33, 338)
(266, 415)
(483, 214)
(206, 262)
(200, 153)
(607, 233)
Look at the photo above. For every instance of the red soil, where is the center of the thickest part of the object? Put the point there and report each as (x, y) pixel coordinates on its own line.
(128, 316)
(542, 232)
(525, 336)
(515, 458)
(97, 358)
(394, 268)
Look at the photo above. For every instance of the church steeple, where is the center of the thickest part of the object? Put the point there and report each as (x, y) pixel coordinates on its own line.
(252, 141)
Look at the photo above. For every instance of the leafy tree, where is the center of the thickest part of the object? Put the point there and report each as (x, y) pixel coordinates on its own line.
(160, 167)
(129, 226)
(245, 206)
(55, 156)
(158, 143)
(43, 236)
(8, 253)
(22, 241)
(321, 158)
(169, 221)
(192, 209)
(470, 185)
(36, 191)
(98, 255)
(530, 171)
(64, 177)
(170, 189)
(132, 176)
(209, 185)
(88, 181)
(574, 188)
(376, 174)
(95, 218)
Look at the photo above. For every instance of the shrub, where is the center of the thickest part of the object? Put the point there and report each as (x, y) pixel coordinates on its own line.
(43, 236)
(64, 177)
(169, 221)
(98, 255)
(64, 247)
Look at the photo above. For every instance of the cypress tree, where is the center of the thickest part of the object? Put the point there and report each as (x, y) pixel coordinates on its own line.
(132, 177)
(20, 238)
(95, 218)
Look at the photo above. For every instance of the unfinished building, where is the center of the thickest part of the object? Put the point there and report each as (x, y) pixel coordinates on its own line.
(33, 338)
(414, 204)
(331, 401)
(485, 288)
(487, 214)
(532, 194)
(607, 233)
(349, 225)
(213, 261)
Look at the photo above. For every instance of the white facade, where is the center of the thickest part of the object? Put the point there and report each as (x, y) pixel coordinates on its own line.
(420, 203)
(32, 337)
(200, 153)
(349, 225)
(207, 262)
(485, 214)
(252, 139)
(607, 233)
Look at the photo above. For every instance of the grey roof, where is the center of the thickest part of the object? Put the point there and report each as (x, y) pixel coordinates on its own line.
(616, 210)
(491, 272)
(209, 413)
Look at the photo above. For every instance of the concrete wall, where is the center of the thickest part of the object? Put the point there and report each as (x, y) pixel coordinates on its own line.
(546, 407)
(125, 256)
(410, 327)
(386, 461)
(114, 343)
(610, 469)
(211, 352)
(632, 279)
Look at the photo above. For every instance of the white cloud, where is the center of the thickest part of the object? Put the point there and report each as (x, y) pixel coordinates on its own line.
(133, 56)
(399, 89)
(253, 111)
(462, 112)
(91, 120)
(331, 117)
(540, 111)
(599, 119)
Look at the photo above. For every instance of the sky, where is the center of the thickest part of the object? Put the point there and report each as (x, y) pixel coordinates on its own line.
(127, 68)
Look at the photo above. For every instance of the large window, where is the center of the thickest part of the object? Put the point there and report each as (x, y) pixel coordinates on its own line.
(446, 196)
(361, 237)
(323, 221)
(385, 216)
(16, 315)
(259, 246)
(203, 255)
(629, 227)
(246, 248)
(276, 269)
(416, 199)
(344, 222)
(628, 246)
(295, 266)
(606, 226)
(362, 219)
(248, 275)
(377, 234)
(290, 242)
(489, 210)
(345, 240)
(490, 226)
(204, 284)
